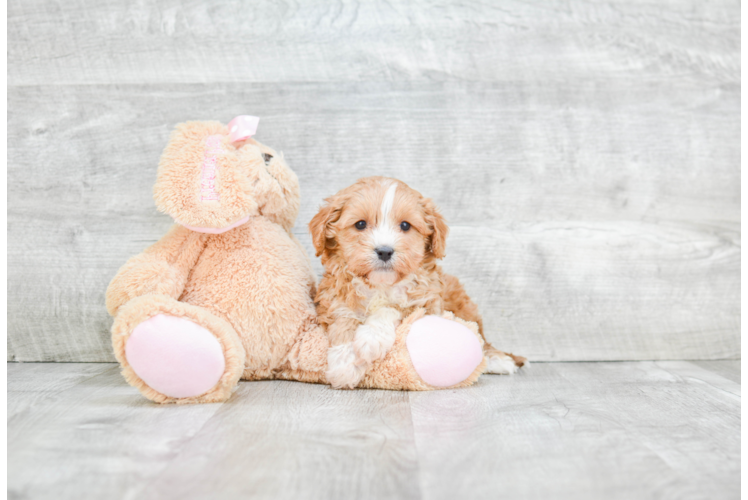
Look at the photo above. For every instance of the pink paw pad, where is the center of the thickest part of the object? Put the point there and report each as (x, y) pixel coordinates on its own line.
(443, 352)
(175, 356)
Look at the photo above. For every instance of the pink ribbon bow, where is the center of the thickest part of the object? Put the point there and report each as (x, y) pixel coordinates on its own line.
(242, 127)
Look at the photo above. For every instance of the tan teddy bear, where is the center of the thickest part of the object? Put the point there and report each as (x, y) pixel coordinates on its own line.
(227, 292)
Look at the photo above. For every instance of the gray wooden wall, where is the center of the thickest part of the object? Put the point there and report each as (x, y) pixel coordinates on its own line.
(586, 154)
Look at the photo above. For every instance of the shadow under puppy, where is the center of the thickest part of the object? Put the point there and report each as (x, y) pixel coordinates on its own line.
(379, 241)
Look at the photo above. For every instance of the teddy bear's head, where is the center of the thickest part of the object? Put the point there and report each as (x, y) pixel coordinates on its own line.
(212, 178)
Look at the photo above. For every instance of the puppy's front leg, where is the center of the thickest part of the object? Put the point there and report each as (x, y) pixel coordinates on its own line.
(344, 369)
(375, 337)
(354, 347)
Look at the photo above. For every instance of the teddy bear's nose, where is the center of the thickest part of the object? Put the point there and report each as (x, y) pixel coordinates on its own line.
(384, 253)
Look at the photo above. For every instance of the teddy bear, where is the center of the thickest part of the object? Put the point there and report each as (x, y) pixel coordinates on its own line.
(227, 293)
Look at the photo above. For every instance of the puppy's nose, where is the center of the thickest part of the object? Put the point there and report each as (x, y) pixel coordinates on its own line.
(384, 253)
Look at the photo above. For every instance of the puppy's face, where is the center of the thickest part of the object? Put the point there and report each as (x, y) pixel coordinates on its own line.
(380, 228)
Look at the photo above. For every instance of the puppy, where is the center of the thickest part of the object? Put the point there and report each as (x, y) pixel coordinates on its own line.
(379, 241)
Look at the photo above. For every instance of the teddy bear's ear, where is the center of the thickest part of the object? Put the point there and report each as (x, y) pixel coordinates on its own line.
(320, 227)
(201, 182)
(275, 186)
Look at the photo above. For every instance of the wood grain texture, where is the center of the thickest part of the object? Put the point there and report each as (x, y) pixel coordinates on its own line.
(558, 430)
(727, 369)
(97, 439)
(586, 154)
(290, 440)
(564, 265)
(31, 383)
(600, 430)
(113, 42)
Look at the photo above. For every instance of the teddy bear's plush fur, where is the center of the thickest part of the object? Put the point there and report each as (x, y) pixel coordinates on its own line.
(231, 297)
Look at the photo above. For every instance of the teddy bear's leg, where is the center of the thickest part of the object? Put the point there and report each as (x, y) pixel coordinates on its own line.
(430, 352)
(175, 352)
(307, 358)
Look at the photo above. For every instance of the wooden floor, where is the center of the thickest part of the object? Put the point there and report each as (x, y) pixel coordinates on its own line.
(664, 429)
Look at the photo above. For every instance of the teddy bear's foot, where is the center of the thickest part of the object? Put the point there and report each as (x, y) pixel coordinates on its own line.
(174, 352)
(430, 352)
(175, 356)
(444, 352)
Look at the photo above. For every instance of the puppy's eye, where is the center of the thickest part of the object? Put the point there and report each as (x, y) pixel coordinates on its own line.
(361, 225)
(405, 226)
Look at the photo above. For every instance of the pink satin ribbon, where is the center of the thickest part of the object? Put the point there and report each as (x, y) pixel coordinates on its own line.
(242, 127)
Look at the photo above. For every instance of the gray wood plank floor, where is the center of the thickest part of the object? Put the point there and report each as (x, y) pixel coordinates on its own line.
(650, 429)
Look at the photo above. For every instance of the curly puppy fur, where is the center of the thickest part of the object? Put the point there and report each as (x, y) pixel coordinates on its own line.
(379, 241)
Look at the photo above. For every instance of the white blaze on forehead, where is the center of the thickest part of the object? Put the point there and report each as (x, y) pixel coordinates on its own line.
(384, 234)
(389, 198)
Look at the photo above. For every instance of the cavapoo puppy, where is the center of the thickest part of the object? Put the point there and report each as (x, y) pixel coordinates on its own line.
(379, 241)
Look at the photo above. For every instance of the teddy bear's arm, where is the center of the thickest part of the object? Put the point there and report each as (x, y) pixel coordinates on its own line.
(162, 268)
(311, 277)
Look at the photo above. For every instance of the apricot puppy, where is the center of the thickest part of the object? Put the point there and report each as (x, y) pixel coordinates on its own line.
(379, 241)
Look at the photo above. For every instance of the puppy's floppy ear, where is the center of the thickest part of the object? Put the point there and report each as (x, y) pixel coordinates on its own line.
(437, 242)
(319, 226)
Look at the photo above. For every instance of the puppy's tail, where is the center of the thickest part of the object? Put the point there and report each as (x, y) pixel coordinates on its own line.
(503, 363)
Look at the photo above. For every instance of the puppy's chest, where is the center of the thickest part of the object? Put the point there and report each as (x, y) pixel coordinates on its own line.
(403, 296)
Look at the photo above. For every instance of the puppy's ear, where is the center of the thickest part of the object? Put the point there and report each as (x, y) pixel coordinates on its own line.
(437, 242)
(320, 224)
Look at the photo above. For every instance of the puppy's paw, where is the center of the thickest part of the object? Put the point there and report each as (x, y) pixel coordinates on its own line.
(375, 337)
(371, 344)
(343, 370)
(500, 364)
